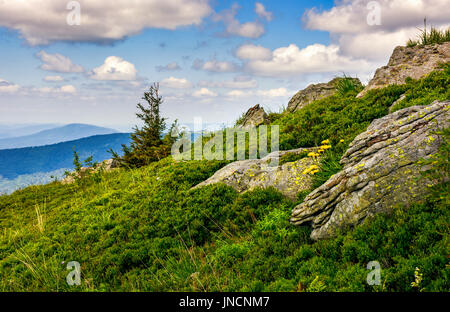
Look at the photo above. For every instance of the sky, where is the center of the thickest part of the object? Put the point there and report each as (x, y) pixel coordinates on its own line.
(89, 61)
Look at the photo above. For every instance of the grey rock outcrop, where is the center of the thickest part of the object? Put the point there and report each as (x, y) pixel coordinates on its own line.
(380, 171)
(254, 117)
(288, 178)
(106, 165)
(315, 92)
(414, 62)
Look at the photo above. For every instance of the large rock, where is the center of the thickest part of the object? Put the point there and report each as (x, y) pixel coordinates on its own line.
(414, 62)
(380, 171)
(315, 92)
(254, 117)
(106, 165)
(248, 174)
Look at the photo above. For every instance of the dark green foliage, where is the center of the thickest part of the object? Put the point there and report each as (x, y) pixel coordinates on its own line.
(147, 143)
(347, 84)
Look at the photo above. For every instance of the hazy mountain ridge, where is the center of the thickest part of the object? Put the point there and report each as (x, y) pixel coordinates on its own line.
(30, 160)
(54, 135)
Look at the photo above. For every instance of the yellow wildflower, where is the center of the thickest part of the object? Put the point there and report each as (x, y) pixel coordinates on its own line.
(326, 141)
(341, 141)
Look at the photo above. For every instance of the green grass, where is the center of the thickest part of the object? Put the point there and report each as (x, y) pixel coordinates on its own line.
(434, 36)
(146, 230)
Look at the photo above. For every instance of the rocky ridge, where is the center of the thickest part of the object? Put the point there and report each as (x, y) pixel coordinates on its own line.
(414, 62)
(315, 92)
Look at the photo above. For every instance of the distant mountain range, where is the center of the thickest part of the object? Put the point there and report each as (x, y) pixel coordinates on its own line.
(41, 159)
(54, 135)
(10, 131)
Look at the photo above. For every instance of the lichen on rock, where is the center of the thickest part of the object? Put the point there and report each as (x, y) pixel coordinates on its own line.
(381, 170)
(289, 178)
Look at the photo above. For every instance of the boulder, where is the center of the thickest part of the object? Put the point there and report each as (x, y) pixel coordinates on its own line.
(414, 62)
(315, 92)
(288, 178)
(381, 170)
(106, 165)
(254, 117)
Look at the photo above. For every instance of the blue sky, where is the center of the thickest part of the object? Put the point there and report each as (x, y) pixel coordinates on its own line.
(214, 59)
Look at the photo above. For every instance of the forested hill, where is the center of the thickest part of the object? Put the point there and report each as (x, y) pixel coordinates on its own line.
(29, 160)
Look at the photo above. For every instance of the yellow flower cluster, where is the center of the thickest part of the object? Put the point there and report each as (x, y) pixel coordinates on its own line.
(313, 169)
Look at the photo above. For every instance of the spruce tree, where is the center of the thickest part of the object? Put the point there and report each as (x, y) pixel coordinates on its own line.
(147, 144)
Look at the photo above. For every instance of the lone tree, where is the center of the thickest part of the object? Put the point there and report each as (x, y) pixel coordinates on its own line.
(147, 143)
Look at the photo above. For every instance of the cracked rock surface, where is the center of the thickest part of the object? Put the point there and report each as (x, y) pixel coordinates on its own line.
(245, 175)
(380, 171)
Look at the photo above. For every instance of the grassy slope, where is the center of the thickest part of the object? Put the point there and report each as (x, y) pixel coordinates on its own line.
(145, 230)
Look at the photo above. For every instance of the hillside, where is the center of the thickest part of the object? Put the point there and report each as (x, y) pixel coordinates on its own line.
(147, 229)
(29, 160)
(54, 135)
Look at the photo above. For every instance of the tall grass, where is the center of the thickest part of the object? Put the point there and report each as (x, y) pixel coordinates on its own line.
(432, 37)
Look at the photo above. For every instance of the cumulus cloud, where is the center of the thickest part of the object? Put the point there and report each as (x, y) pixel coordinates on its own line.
(262, 13)
(176, 83)
(215, 66)
(8, 87)
(348, 24)
(237, 83)
(58, 63)
(66, 89)
(253, 52)
(237, 93)
(280, 92)
(169, 67)
(235, 28)
(204, 92)
(43, 22)
(114, 68)
(316, 58)
(53, 78)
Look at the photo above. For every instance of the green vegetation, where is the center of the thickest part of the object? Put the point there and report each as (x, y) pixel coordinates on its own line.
(434, 36)
(147, 143)
(144, 229)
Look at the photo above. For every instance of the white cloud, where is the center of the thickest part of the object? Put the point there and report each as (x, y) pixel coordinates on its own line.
(235, 28)
(280, 92)
(114, 68)
(261, 11)
(43, 22)
(236, 83)
(215, 66)
(53, 78)
(58, 63)
(236, 93)
(291, 60)
(169, 67)
(204, 92)
(176, 83)
(399, 20)
(8, 87)
(66, 89)
(253, 52)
